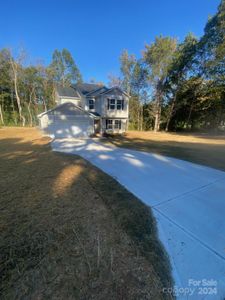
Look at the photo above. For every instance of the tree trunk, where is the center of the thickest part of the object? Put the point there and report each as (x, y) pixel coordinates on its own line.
(141, 109)
(191, 108)
(157, 114)
(1, 115)
(44, 103)
(189, 115)
(35, 108)
(30, 115)
(157, 120)
(13, 107)
(14, 113)
(171, 112)
(28, 106)
(14, 68)
(138, 112)
(158, 106)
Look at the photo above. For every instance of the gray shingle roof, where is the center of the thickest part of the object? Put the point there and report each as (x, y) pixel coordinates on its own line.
(86, 88)
(94, 113)
(98, 91)
(67, 92)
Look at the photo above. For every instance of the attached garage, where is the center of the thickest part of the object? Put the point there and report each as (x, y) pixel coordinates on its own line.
(66, 121)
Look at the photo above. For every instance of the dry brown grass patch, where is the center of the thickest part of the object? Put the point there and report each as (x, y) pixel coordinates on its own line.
(203, 149)
(69, 231)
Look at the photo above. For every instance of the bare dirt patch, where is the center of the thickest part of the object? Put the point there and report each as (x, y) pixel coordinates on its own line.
(203, 149)
(69, 231)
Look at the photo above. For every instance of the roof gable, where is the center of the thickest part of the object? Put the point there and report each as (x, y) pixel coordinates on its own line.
(68, 108)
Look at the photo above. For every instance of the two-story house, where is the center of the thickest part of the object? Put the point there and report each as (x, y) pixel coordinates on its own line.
(86, 109)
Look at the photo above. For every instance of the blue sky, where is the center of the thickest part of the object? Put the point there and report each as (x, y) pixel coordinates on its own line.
(96, 31)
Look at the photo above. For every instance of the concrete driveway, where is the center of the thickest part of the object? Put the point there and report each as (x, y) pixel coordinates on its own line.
(188, 202)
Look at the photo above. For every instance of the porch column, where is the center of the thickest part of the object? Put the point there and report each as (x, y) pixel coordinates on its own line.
(101, 129)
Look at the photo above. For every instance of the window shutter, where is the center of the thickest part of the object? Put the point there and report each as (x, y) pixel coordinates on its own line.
(108, 103)
(123, 104)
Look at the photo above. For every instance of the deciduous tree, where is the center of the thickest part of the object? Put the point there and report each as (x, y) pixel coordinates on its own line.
(159, 56)
(64, 69)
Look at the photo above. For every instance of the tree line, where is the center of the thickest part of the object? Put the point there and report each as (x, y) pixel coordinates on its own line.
(172, 86)
(25, 91)
(178, 86)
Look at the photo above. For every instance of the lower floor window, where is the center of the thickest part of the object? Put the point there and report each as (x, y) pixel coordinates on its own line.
(109, 124)
(113, 124)
(117, 124)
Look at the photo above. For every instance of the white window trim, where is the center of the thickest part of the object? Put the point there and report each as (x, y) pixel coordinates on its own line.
(89, 104)
(113, 124)
(119, 104)
(112, 104)
(119, 124)
(115, 104)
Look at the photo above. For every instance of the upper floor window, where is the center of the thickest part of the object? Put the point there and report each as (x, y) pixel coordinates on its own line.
(111, 104)
(115, 104)
(91, 104)
(120, 104)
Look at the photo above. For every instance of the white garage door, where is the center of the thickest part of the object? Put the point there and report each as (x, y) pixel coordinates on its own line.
(67, 126)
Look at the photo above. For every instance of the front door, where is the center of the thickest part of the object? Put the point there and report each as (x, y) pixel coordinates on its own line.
(97, 126)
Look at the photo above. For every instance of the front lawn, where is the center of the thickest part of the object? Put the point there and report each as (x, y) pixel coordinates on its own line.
(69, 231)
(202, 149)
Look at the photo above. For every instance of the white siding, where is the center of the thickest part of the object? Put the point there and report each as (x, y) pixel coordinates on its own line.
(75, 126)
(114, 113)
(67, 121)
(66, 100)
